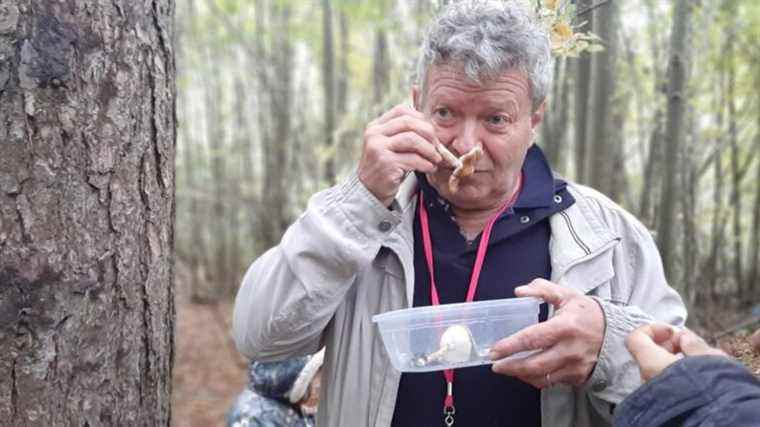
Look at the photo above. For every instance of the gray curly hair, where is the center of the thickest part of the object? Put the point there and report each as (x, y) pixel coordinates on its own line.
(488, 37)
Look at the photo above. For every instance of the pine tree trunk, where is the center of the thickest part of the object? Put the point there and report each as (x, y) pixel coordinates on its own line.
(677, 67)
(87, 138)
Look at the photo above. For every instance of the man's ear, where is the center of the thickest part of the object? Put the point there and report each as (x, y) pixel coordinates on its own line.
(538, 116)
(416, 98)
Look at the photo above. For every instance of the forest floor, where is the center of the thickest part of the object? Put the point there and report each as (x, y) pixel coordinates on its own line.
(209, 372)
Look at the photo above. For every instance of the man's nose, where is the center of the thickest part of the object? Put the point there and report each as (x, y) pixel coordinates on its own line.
(467, 137)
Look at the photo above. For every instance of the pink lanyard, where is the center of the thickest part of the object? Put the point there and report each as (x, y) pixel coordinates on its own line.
(448, 404)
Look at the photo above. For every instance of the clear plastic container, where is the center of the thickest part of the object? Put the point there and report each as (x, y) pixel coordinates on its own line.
(434, 338)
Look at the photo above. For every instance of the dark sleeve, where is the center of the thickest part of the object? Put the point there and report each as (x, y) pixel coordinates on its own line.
(695, 391)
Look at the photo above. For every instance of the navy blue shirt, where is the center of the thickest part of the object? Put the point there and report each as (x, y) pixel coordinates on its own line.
(518, 252)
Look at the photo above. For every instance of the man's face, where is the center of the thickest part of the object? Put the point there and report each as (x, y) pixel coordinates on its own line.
(495, 115)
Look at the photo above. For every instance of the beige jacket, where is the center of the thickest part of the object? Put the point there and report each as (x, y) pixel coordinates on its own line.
(348, 258)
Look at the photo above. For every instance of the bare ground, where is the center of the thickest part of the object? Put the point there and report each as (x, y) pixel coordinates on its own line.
(208, 371)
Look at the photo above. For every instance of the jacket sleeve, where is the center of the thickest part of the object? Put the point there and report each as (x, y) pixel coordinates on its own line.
(640, 295)
(290, 294)
(695, 391)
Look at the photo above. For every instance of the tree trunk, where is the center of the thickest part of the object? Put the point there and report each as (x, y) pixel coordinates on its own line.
(754, 245)
(275, 195)
(261, 222)
(328, 76)
(599, 159)
(718, 222)
(733, 135)
(688, 201)
(380, 69)
(754, 253)
(194, 246)
(677, 72)
(554, 127)
(86, 212)
(216, 137)
(651, 168)
(344, 73)
(582, 95)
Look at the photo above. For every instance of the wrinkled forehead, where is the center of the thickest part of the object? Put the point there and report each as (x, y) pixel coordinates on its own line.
(447, 78)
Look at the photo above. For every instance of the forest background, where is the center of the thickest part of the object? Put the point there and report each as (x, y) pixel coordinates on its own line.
(274, 96)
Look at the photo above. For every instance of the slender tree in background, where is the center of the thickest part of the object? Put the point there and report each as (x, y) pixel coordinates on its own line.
(582, 96)
(195, 255)
(275, 192)
(677, 76)
(651, 167)
(556, 120)
(87, 135)
(380, 68)
(328, 75)
(216, 138)
(754, 253)
(600, 150)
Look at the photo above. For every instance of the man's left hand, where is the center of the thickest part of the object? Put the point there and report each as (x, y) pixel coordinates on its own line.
(569, 342)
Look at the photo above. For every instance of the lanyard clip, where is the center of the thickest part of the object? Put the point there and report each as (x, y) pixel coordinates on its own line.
(448, 412)
(448, 406)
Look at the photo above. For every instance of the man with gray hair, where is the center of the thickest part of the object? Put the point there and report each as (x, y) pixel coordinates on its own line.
(481, 217)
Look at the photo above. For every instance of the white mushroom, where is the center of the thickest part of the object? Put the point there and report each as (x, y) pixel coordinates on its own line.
(457, 341)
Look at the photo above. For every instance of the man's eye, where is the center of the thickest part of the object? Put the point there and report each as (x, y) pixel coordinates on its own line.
(498, 120)
(442, 113)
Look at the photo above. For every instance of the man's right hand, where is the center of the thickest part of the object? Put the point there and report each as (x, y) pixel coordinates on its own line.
(657, 346)
(400, 141)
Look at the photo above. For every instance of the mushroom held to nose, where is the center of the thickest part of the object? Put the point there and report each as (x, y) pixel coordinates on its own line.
(465, 168)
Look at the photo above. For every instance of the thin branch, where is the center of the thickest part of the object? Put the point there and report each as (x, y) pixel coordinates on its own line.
(590, 8)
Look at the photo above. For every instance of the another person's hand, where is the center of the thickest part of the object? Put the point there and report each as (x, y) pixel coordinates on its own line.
(657, 346)
(569, 342)
(398, 142)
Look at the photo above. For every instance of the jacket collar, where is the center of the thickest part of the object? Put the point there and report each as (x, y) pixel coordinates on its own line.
(578, 232)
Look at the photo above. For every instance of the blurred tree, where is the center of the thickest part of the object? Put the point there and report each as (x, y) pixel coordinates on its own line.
(581, 102)
(600, 150)
(328, 75)
(677, 75)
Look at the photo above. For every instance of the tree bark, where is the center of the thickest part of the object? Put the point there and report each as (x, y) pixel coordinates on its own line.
(677, 71)
(87, 140)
